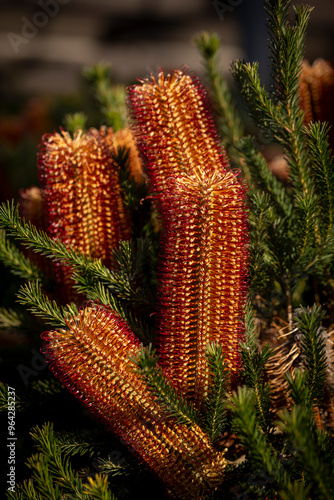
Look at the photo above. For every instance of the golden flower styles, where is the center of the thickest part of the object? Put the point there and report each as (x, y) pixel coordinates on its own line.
(82, 195)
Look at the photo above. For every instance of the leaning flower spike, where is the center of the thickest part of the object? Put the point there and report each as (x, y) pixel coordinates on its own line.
(204, 254)
(94, 358)
(82, 194)
(174, 129)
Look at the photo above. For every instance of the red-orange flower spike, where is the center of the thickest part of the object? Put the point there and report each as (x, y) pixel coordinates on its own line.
(174, 129)
(203, 279)
(93, 359)
(82, 193)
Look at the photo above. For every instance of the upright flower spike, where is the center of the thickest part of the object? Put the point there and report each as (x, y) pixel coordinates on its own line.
(82, 194)
(203, 261)
(203, 281)
(92, 358)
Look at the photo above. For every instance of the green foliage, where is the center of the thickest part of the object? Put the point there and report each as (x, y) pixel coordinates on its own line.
(254, 361)
(263, 455)
(110, 97)
(228, 119)
(314, 349)
(18, 263)
(97, 488)
(215, 414)
(10, 318)
(119, 289)
(38, 303)
(53, 476)
(174, 405)
(75, 121)
(314, 451)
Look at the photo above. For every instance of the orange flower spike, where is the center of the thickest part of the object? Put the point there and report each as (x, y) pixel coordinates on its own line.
(82, 194)
(174, 130)
(203, 279)
(93, 360)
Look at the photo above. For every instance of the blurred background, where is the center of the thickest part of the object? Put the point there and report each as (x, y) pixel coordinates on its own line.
(46, 43)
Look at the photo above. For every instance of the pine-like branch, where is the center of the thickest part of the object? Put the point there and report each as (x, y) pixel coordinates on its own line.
(88, 272)
(9, 318)
(254, 362)
(313, 453)
(263, 259)
(97, 488)
(242, 404)
(263, 179)
(18, 263)
(323, 171)
(261, 453)
(25, 491)
(111, 97)
(229, 122)
(39, 304)
(75, 121)
(56, 464)
(215, 416)
(313, 346)
(173, 404)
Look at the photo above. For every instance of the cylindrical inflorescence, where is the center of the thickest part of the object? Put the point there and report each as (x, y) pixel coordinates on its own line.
(82, 195)
(174, 129)
(202, 279)
(93, 359)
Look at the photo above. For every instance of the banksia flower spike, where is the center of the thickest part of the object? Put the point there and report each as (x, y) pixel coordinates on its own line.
(202, 279)
(82, 194)
(203, 259)
(93, 358)
(174, 129)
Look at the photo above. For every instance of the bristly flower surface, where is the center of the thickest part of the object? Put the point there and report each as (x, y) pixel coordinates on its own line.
(94, 359)
(203, 261)
(174, 129)
(82, 195)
